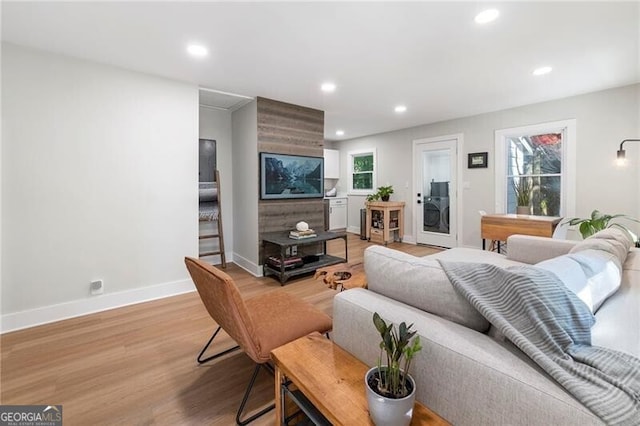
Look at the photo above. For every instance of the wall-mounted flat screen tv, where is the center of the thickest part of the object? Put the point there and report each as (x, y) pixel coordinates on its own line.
(285, 176)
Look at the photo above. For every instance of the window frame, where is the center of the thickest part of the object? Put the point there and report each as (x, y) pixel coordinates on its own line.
(568, 167)
(358, 153)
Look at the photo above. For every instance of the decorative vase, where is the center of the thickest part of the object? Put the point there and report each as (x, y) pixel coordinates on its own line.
(385, 197)
(523, 210)
(390, 411)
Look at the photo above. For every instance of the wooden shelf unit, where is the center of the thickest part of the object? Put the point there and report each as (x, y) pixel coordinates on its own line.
(384, 219)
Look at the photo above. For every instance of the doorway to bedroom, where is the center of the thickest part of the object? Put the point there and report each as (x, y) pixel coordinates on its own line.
(210, 242)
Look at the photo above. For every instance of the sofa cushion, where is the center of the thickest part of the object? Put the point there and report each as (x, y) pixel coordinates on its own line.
(419, 282)
(463, 254)
(611, 240)
(593, 275)
(593, 267)
(532, 249)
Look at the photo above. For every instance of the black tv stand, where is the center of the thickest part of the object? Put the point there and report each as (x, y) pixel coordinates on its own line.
(282, 240)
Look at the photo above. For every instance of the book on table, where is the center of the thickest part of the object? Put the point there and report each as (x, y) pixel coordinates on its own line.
(297, 235)
(289, 262)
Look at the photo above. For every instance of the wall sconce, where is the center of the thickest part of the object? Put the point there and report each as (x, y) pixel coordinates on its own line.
(622, 156)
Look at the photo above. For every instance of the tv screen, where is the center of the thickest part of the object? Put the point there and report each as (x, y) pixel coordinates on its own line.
(285, 176)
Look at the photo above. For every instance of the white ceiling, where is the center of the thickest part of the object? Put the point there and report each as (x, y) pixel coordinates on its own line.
(430, 56)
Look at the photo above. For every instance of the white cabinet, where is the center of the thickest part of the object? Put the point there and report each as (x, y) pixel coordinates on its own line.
(337, 213)
(331, 164)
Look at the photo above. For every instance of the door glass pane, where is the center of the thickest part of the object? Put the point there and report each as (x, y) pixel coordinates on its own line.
(436, 173)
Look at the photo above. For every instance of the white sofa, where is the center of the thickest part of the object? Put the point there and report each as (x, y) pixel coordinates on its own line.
(467, 372)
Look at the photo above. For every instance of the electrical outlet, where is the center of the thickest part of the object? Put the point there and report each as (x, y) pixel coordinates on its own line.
(294, 250)
(96, 287)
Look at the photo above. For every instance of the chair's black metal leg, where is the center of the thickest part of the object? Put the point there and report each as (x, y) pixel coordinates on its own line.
(246, 397)
(219, 354)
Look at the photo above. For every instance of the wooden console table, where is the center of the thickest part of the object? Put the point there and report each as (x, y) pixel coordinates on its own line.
(283, 242)
(330, 384)
(499, 227)
(384, 219)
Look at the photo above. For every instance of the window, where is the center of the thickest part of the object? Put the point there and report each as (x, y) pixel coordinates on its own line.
(535, 167)
(362, 171)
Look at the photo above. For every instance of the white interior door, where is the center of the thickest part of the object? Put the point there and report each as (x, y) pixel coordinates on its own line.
(435, 165)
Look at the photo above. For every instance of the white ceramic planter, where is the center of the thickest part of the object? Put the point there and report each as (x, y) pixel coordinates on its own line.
(386, 411)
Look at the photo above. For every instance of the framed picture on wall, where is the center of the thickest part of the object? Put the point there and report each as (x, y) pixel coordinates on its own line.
(478, 160)
(285, 176)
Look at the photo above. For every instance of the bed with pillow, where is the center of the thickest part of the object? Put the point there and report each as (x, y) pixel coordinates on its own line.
(467, 371)
(208, 201)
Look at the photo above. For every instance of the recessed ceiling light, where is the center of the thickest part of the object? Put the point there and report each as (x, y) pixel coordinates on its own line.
(542, 71)
(487, 16)
(328, 87)
(339, 132)
(400, 108)
(197, 50)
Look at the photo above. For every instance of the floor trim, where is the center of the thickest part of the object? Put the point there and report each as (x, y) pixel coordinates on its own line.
(47, 314)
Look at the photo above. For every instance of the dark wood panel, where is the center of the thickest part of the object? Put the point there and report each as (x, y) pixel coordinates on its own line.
(283, 148)
(273, 111)
(278, 216)
(295, 130)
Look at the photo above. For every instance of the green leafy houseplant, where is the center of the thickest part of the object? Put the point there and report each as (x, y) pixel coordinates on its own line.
(391, 380)
(599, 221)
(373, 197)
(383, 193)
(523, 191)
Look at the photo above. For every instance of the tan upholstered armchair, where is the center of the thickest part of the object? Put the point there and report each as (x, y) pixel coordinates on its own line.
(258, 325)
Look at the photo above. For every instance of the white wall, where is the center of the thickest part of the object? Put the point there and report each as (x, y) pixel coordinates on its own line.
(604, 119)
(216, 125)
(245, 187)
(99, 181)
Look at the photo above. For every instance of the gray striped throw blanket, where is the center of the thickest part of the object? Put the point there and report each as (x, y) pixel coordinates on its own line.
(549, 323)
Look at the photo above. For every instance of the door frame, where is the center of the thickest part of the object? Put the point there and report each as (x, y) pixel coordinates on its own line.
(459, 138)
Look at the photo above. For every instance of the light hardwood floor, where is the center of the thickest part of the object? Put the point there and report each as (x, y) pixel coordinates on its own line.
(136, 365)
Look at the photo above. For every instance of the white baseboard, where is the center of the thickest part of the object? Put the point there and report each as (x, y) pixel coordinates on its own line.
(353, 229)
(247, 265)
(409, 239)
(44, 315)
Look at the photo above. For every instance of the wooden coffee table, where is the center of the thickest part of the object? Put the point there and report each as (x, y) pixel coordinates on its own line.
(332, 380)
(344, 276)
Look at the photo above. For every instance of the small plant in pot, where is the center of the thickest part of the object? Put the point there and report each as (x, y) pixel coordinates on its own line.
(373, 197)
(523, 195)
(385, 192)
(391, 391)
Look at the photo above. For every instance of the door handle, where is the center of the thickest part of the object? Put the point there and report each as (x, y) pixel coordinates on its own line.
(419, 195)
(419, 202)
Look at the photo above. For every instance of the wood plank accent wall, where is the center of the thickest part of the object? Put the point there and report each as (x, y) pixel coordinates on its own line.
(289, 129)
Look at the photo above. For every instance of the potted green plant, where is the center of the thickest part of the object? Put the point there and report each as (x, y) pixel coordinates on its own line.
(599, 221)
(391, 391)
(385, 192)
(373, 197)
(523, 189)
